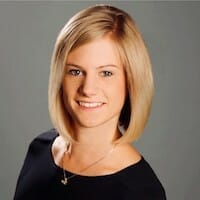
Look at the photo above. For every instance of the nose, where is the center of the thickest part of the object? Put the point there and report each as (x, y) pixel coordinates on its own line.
(89, 85)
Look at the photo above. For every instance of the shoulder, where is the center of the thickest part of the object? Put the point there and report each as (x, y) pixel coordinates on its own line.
(44, 138)
(141, 178)
(138, 176)
(129, 154)
(38, 150)
(143, 172)
(134, 163)
(41, 142)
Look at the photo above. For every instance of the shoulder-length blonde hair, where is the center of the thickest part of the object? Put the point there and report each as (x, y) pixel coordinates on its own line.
(85, 26)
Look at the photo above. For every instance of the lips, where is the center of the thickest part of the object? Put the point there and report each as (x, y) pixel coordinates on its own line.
(90, 104)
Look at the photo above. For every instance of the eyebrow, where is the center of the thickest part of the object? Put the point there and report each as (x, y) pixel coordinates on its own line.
(99, 67)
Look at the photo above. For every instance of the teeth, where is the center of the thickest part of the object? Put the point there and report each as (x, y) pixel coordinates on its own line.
(90, 105)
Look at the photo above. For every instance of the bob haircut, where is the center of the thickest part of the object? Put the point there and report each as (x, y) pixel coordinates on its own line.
(84, 27)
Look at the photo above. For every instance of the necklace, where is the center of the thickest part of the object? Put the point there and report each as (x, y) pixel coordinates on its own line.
(66, 179)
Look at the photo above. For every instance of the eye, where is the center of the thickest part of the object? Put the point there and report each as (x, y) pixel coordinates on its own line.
(106, 73)
(75, 72)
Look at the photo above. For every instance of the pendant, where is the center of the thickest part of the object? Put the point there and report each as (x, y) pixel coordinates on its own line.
(64, 181)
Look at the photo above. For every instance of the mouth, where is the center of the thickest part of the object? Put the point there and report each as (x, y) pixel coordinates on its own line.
(90, 104)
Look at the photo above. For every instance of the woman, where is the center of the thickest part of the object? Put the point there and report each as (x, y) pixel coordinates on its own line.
(100, 94)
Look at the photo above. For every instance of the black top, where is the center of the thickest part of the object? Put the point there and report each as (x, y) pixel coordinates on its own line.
(40, 178)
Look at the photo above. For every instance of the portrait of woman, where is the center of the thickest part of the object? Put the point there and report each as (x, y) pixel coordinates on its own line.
(100, 95)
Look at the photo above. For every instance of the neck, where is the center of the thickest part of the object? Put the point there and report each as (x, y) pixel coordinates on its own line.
(93, 142)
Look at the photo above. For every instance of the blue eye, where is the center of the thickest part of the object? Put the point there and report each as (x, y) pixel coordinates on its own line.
(106, 73)
(75, 72)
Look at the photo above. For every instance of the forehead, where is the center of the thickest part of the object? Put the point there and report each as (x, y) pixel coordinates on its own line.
(101, 51)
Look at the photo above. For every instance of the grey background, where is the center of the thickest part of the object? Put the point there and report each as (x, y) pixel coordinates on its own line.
(171, 139)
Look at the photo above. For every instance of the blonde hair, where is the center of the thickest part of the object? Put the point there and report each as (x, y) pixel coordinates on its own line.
(85, 26)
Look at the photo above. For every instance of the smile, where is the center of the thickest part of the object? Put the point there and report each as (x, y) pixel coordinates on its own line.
(90, 104)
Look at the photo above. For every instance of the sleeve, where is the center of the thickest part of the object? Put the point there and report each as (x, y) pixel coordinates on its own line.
(34, 158)
(151, 187)
(142, 182)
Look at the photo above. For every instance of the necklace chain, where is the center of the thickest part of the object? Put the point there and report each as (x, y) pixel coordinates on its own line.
(65, 179)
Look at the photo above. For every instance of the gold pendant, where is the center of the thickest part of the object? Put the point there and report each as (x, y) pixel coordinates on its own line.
(64, 181)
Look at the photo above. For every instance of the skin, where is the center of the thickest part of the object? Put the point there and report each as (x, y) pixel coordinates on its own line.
(94, 91)
(94, 80)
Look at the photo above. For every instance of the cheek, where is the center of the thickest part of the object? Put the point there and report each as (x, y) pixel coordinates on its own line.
(117, 91)
(122, 91)
(67, 92)
(64, 97)
(69, 87)
(121, 86)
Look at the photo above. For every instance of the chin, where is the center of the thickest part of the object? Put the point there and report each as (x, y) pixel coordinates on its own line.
(94, 123)
(90, 124)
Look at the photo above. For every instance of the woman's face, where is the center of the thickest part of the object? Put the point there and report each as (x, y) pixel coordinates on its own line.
(94, 87)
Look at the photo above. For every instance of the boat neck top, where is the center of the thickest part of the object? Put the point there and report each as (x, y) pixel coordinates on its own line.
(40, 178)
